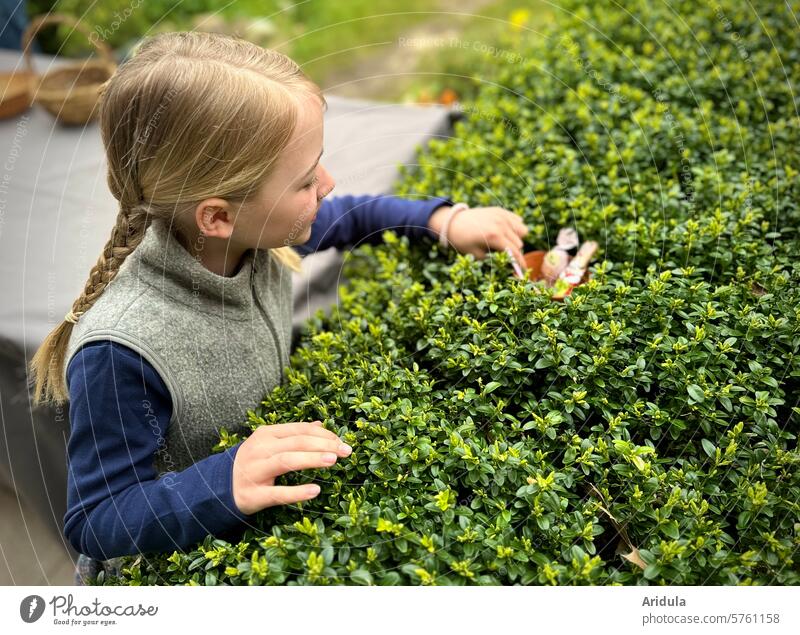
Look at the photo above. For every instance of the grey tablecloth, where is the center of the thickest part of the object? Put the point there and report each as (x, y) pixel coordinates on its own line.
(56, 213)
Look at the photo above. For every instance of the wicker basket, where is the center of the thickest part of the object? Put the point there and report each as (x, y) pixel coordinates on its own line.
(70, 92)
(17, 91)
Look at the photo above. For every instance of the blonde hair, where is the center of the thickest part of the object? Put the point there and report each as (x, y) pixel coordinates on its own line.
(189, 116)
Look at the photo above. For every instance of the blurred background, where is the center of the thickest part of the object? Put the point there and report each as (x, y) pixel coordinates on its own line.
(388, 50)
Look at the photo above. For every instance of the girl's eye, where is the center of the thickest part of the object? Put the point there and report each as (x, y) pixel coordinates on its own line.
(313, 181)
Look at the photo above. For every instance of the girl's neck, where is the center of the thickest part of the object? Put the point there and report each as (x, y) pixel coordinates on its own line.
(219, 256)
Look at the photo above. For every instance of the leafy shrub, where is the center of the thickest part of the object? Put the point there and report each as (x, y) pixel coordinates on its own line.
(642, 431)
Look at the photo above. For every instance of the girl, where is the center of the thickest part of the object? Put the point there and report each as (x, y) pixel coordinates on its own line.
(213, 147)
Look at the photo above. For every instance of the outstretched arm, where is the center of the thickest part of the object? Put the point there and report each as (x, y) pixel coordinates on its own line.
(345, 221)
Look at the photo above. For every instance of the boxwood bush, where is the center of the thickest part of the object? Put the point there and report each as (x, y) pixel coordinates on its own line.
(641, 432)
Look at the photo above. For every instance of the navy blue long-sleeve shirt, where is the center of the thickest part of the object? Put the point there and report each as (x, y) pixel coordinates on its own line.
(120, 410)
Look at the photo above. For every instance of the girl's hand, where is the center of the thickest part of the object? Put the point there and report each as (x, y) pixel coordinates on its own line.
(481, 229)
(273, 450)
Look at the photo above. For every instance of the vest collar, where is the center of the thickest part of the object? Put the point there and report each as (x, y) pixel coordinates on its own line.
(181, 275)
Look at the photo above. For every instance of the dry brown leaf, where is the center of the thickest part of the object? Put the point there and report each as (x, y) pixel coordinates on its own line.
(620, 529)
(635, 558)
(624, 542)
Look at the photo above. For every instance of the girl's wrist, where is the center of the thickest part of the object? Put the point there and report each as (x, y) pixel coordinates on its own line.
(436, 219)
(441, 220)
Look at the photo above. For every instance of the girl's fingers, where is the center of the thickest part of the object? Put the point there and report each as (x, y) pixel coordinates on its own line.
(284, 430)
(514, 243)
(285, 462)
(479, 253)
(288, 494)
(512, 235)
(518, 225)
(500, 237)
(504, 236)
(493, 237)
(307, 443)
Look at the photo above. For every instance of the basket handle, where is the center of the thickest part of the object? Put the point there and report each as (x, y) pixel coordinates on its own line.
(59, 18)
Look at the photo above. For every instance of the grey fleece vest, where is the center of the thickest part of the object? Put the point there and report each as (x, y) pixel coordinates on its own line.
(219, 343)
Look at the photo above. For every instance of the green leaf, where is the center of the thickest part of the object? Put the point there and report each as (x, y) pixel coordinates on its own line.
(543, 522)
(696, 393)
(709, 447)
(361, 577)
(671, 530)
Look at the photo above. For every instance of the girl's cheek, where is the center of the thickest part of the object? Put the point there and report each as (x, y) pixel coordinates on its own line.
(311, 202)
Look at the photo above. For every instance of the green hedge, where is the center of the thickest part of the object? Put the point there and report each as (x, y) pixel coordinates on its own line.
(503, 438)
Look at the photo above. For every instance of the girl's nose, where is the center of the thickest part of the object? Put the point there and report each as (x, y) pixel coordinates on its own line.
(326, 182)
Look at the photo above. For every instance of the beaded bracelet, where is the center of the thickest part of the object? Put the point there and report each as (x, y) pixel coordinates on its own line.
(458, 207)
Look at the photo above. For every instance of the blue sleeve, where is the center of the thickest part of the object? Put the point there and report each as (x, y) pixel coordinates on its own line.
(116, 505)
(344, 221)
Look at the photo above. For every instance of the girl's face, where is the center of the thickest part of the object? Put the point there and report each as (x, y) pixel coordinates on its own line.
(286, 206)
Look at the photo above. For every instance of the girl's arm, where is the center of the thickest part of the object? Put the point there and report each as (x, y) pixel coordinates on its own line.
(119, 409)
(343, 221)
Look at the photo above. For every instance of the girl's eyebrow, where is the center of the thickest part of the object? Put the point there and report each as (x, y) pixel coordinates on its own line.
(313, 166)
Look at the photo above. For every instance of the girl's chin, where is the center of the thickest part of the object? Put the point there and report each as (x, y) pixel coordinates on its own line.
(307, 232)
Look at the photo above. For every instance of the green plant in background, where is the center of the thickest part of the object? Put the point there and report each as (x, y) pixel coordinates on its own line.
(321, 36)
(465, 58)
(119, 25)
(643, 431)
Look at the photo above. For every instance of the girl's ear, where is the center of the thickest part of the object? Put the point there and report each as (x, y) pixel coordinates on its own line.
(214, 217)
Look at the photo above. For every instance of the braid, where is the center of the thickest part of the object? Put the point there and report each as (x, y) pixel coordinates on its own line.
(47, 364)
(132, 222)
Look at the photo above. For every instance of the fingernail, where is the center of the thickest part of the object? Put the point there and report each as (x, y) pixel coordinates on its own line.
(313, 490)
(317, 423)
(345, 449)
(328, 457)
